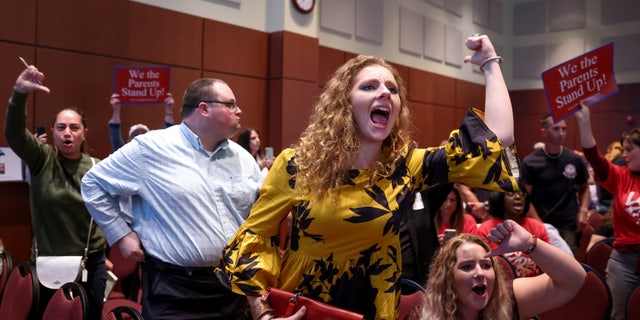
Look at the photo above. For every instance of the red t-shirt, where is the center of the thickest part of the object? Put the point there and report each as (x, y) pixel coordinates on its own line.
(525, 266)
(624, 185)
(468, 226)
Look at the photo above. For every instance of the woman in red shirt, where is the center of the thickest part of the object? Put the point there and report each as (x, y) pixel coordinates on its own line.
(623, 182)
(514, 206)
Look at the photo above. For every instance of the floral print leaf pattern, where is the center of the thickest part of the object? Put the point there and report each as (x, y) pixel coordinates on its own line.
(300, 223)
(351, 175)
(366, 214)
(378, 196)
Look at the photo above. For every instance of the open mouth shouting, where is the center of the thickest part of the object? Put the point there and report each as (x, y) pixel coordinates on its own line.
(480, 289)
(380, 115)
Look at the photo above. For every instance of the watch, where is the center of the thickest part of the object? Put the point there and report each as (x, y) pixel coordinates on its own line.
(304, 6)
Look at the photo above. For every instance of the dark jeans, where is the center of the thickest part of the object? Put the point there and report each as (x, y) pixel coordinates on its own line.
(95, 285)
(173, 292)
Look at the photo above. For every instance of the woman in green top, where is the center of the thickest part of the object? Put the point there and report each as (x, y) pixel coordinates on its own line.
(59, 218)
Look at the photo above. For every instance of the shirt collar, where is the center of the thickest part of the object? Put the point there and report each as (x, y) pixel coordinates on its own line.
(194, 140)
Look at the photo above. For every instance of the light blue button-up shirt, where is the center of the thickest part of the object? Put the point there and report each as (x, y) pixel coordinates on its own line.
(187, 202)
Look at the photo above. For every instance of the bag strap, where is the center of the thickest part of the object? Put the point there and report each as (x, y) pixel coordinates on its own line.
(77, 187)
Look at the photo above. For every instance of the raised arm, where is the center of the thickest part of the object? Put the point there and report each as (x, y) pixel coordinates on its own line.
(563, 275)
(498, 110)
(114, 123)
(168, 111)
(584, 124)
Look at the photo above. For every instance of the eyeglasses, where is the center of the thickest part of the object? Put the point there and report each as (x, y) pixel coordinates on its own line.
(229, 104)
(513, 194)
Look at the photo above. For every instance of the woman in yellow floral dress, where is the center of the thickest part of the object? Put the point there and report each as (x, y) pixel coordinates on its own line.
(345, 180)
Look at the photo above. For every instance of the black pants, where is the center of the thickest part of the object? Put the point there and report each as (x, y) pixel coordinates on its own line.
(172, 292)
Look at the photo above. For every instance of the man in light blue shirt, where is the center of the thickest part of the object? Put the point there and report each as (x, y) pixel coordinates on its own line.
(191, 189)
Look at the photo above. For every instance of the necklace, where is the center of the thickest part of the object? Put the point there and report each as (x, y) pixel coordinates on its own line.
(555, 156)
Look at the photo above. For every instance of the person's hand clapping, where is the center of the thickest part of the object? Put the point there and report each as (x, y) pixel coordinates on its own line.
(30, 79)
(510, 236)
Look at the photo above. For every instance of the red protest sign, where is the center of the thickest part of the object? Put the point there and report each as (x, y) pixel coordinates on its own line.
(141, 84)
(587, 77)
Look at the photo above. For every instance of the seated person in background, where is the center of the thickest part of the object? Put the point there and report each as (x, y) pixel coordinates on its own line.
(452, 216)
(418, 234)
(475, 202)
(555, 238)
(514, 206)
(466, 282)
(249, 139)
(604, 230)
(136, 129)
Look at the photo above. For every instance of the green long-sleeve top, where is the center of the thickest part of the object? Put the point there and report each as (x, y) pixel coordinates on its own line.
(59, 218)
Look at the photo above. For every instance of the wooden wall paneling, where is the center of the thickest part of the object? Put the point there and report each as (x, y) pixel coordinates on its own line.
(89, 26)
(431, 88)
(164, 36)
(18, 21)
(252, 97)
(432, 123)
(122, 29)
(299, 97)
(527, 132)
(300, 57)
(15, 229)
(329, 60)
(468, 94)
(275, 123)
(235, 50)
(404, 74)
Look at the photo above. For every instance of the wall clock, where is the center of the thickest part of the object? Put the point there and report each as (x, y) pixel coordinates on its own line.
(304, 6)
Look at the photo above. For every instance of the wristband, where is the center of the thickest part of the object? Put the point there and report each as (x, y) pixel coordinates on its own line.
(488, 60)
(532, 246)
(264, 313)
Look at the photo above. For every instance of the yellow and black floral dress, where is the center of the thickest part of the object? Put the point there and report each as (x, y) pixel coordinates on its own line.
(347, 253)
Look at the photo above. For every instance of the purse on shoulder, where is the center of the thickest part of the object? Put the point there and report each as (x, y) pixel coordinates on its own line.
(285, 304)
(54, 271)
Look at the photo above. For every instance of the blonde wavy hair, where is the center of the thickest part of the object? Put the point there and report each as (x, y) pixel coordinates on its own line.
(614, 151)
(441, 299)
(329, 145)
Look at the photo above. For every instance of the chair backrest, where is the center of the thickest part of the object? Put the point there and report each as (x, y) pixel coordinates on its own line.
(633, 304)
(21, 293)
(6, 264)
(411, 298)
(595, 219)
(112, 304)
(593, 300)
(68, 302)
(122, 267)
(587, 232)
(123, 313)
(598, 256)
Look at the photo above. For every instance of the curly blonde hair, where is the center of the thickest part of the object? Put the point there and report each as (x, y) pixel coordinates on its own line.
(329, 145)
(614, 151)
(441, 299)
